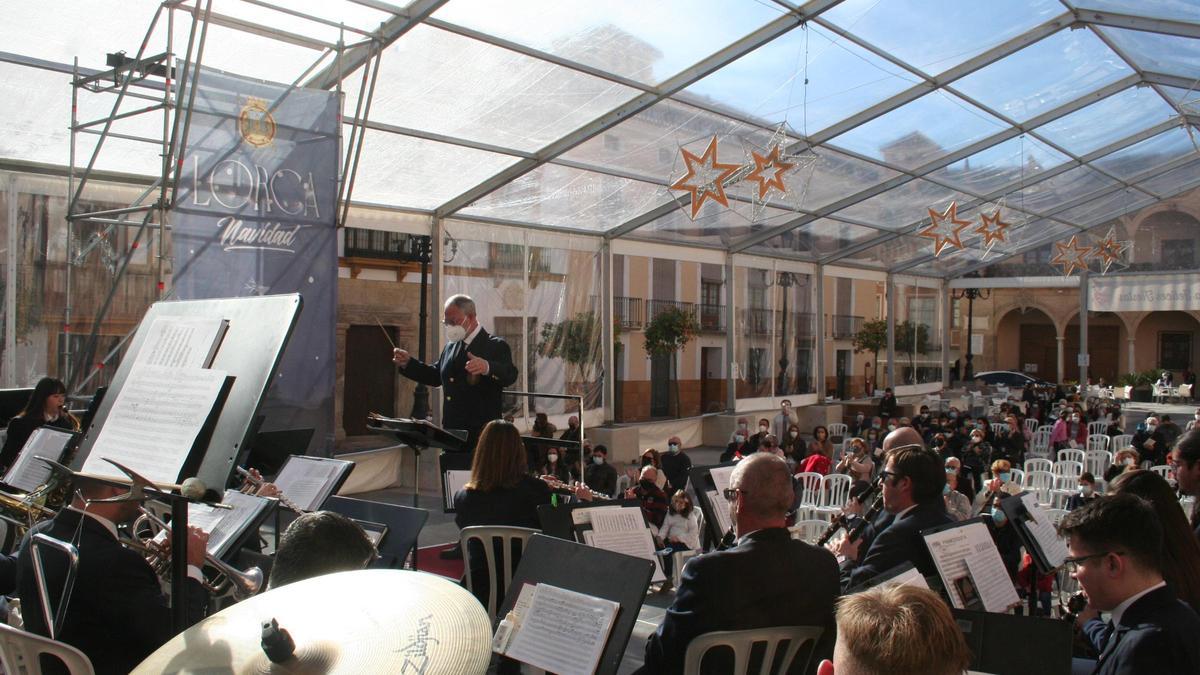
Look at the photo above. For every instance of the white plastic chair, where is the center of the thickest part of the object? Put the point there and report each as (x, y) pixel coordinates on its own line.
(1068, 468)
(1040, 445)
(1097, 428)
(19, 652)
(999, 427)
(837, 429)
(1098, 442)
(1072, 456)
(1018, 476)
(678, 560)
(1096, 462)
(810, 483)
(1056, 515)
(835, 491)
(1038, 464)
(1059, 498)
(808, 530)
(742, 643)
(1164, 471)
(1120, 442)
(805, 513)
(486, 535)
(1031, 424)
(1162, 393)
(1040, 483)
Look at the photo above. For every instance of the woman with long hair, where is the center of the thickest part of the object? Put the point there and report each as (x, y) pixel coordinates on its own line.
(46, 407)
(1181, 551)
(820, 444)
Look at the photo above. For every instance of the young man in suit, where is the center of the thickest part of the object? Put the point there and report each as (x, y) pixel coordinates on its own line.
(117, 614)
(1116, 547)
(472, 370)
(913, 478)
(767, 579)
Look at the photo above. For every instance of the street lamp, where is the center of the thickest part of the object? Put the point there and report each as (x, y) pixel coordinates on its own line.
(786, 281)
(419, 250)
(970, 294)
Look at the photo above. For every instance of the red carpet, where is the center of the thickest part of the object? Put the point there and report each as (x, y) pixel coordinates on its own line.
(428, 561)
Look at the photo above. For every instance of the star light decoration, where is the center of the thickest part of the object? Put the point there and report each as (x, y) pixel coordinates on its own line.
(705, 177)
(762, 164)
(1071, 255)
(945, 229)
(1109, 250)
(992, 228)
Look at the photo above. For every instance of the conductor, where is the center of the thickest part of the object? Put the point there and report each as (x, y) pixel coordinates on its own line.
(472, 370)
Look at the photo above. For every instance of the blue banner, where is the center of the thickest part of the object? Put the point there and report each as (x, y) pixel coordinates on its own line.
(254, 214)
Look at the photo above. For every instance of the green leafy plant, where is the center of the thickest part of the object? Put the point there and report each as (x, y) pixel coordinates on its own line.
(577, 342)
(872, 337)
(911, 338)
(667, 334)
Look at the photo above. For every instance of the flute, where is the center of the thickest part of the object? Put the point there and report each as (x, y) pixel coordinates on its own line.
(256, 482)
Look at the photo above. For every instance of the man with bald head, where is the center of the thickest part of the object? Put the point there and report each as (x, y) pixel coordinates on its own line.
(767, 579)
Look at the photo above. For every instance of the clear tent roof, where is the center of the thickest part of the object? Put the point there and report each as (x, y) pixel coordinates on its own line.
(574, 115)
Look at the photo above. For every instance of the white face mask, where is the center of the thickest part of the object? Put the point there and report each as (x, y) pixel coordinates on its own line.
(456, 333)
(673, 448)
(597, 459)
(739, 438)
(552, 458)
(762, 429)
(793, 434)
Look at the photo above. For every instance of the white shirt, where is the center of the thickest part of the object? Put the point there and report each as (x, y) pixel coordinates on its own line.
(1120, 609)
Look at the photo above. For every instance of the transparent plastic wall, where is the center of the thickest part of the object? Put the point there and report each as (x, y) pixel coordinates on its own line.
(918, 341)
(775, 331)
(541, 293)
(113, 280)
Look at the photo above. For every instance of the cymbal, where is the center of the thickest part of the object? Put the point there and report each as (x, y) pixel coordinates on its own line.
(368, 621)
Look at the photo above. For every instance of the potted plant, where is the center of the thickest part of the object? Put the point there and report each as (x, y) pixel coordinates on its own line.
(577, 342)
(667, 334)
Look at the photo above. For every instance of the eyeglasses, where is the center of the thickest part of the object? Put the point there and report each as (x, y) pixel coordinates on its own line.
(1072, 564)
(731, 493)
(885, 474)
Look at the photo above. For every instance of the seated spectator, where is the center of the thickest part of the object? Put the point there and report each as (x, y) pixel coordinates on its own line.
(1069, 432)
(742, 428)
(857, 461)
(571, 433)
(1115, 546)
(1087, 492)
(737, 449)
(820, 442)
(556, 466)
(764, 429)
(542, 426)
(1170, 431)
(318, 543)
(966, 479)
(821, 461)
(1150, 443)
(1125, 460)
(896, 629)
(600, 475)
(957, 504)
(794, 446)
(651, 457)
(680, 530)
(653, 499)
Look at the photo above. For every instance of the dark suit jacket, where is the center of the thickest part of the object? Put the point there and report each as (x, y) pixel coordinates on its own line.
(767, 580)
(117, 615)
(468, 406)
(1157, 634)
(899, 543)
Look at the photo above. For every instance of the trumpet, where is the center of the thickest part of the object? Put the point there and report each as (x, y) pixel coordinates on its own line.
(257, 483)
(243, 583)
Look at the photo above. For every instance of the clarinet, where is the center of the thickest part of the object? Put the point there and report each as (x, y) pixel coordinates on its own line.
(840, 521)
(727, 541)
(835, 525)
(856, 531)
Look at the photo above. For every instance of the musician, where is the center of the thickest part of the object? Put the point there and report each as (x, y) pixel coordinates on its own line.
(117, 613)
(600, 475)
(912, 490)
(1115, 547)
(318, 543)
(472, 370)
(46, 407)
(729, 590)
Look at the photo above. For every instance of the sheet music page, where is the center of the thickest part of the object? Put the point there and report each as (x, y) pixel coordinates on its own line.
(524, 600)
(155, 420)
(563, 631)
(910, 577)
(28, 472)
(306, 482)
(720, 476)
(617, 519)
(224, 525)
(182, 342)
(455, 480)
(584, 516)
(637, 543)
(1044, 532)
(952, 547)
(720, 507)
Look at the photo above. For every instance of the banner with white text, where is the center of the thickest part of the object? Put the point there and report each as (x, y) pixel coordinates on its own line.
(255, 215)
(1144, 293)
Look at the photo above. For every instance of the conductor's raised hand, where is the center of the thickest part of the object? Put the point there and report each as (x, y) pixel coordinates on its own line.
(400, 357)
(476, 365)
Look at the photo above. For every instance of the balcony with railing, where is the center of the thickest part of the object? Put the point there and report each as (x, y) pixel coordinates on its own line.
(757, 321)
(629, 313)
(656, 307)
(378, 244)
(843, 326)
(712, 317)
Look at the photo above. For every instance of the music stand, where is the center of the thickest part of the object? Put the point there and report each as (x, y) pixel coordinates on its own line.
(1045, 644)
(559, 520)
(419, 435)
(270, 449)
(404, 525)
(1034, 530)
(621, 578)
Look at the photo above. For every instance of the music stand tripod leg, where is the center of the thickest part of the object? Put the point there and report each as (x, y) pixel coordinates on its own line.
(416, 497)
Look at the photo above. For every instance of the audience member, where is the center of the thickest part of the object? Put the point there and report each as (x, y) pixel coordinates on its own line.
(600, 475)
(738, 448)
(556, 466)
(1181, 551)
(764, 430)
(1150, 443)
(785, 418)
(1185, 458)
(802, 588)
(896, 630)
(857, 461)
(819, 461)
(1170, 432)
(651, 457)
(680, 530)
(571, 433)
(1087, 492)
(966, 480)
(319, 543)
(542, 426)
(742, 429)
(888, 404)
(653, 499)
(1115, 547)
(1069, 432)
(957, 504)
(794, 445)
(820, 443)
(1124, 460)
(675, 465)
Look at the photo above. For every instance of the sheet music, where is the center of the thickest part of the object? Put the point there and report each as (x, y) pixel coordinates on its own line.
(455, 480)
(524, 600)
(721, 476)
(617, 519)
(563, 631)
(720, 507)
(225, 525)
(584, 516)
(307, 481)
(909, 577)
(951, 549)
(1040, 526)
(28, 472)
(182, 342)
(637, 543)
(155, 420)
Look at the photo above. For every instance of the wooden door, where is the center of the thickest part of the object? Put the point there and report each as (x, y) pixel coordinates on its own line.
(370, 378)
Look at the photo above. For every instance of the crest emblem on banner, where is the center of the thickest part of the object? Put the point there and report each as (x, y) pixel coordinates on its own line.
(256, 124)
